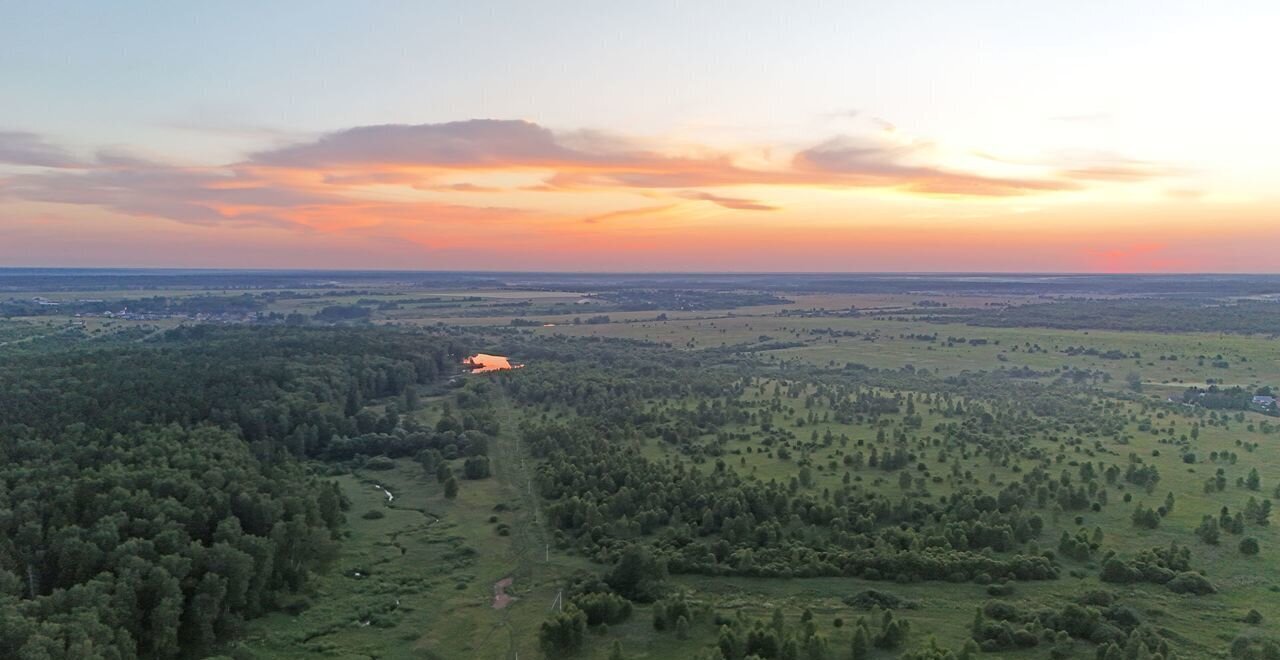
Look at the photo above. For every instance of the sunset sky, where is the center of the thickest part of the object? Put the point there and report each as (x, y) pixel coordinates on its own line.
(642, 136)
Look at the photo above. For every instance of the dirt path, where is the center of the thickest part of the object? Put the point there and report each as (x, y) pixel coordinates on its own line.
(528, 538)
(500, 596)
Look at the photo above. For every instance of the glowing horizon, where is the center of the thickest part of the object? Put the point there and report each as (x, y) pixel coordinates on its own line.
(996, 141)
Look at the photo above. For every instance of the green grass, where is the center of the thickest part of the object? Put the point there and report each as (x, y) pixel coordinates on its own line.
(438, 619)
(429, 566)
(1204, 625)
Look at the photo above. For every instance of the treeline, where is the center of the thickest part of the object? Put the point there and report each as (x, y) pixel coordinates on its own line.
(1232, 398)
(263, 382)
(685, 300)
(150, 500)
(164, 305)
(1137, 314)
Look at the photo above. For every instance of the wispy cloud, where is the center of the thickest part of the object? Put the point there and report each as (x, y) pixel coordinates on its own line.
(399, 174)
(736, 203)
(643, 211)
(586, 159)
(229, 196)
(861, 162)
(1093, 167)
(1118, 171)
(22, 148)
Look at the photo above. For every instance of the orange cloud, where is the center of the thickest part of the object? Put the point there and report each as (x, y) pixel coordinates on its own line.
(644, 211)
(1123, 172)
(408, 182)
(593, 160)
(736, 203)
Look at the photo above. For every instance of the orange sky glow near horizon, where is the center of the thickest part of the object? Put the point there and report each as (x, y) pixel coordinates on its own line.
(510, 194)
(991, 139)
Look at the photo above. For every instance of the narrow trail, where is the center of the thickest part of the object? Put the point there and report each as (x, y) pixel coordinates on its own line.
(528, 538)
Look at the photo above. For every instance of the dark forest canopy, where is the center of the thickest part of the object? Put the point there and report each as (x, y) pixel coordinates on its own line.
(150, 495)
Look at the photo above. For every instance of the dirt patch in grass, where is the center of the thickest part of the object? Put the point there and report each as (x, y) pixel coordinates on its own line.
(501, 598)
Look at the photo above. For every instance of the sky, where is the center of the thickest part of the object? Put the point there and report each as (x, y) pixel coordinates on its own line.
(649, 136)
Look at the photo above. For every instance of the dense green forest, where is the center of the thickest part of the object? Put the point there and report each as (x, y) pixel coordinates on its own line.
(154, 496)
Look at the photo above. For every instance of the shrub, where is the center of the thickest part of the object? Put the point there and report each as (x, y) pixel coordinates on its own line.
(1000, 589)
(562, 634)
(1025, 638)
(1000, 610)
(1192, 583)
(1099, 597)
(476, 467)
(603, 608)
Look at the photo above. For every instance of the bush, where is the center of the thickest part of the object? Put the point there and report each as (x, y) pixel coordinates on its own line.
(1025, 638)
(563, 633)
(1191, 583)
(1115, 570)
(1000, 590)
(638, 575)
(1000, 611)
(379, 463)
(1099, 597)
(603, 608)
(476, 467)
(373, 514)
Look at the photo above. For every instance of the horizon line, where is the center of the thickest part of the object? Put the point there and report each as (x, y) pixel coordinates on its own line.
(993, 273)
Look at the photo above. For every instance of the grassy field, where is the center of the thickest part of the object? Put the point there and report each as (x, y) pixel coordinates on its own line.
(1206, 624)
(418, 580)
(440, 558)
(415, 573)
(888, 344)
